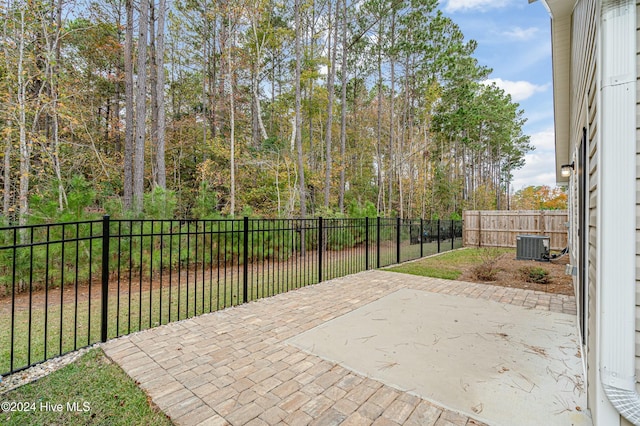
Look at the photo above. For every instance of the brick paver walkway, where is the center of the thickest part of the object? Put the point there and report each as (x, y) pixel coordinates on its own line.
(234, 367)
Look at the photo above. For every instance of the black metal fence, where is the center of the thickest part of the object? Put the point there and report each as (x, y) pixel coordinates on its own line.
(66, 286)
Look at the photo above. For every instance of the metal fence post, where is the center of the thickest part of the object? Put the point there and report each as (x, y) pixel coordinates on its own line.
(245, 261)
(106, 236)
(320, 246)
(398, 240)
(420, 238)
(366, 243)
(453, 234)
(438, 224)
(378, 242)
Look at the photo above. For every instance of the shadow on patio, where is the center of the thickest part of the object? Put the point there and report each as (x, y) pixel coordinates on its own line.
(371, 348)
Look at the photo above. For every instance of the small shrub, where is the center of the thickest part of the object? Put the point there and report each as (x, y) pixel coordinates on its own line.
(206, 202)
(159, 204)
(485, 272)
(535, 274)
(488, 269)
(358, 210)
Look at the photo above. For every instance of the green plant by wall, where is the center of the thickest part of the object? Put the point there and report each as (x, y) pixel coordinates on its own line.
(535, 274)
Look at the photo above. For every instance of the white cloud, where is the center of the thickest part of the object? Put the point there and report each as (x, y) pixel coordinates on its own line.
(470, 5)
(544, 141)
(540, 166)
(519, 90)
(539, 170)
(539, 113)
(518, 33)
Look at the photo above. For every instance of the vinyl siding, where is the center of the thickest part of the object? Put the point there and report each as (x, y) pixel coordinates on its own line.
(592, 240)
(637, 363)
(584, 100)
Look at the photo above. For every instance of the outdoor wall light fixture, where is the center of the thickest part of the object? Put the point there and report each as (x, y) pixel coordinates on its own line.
(565, 170)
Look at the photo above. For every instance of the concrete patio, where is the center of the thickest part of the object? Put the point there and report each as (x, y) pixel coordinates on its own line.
(373, 348)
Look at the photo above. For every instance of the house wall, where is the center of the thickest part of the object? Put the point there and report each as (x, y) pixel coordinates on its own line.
(583, 115)
(637, 325)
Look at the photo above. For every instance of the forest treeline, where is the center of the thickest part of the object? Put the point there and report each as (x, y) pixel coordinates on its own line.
(197, 108)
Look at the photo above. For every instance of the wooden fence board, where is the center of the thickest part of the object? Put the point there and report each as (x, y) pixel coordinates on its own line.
(499, 228)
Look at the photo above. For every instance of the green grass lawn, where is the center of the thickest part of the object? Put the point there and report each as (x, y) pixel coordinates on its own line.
(447, 265)
(91, 390)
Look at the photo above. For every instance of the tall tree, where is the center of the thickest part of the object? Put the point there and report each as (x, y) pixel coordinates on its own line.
(343, 107)
(298, 115)
(5, 105)
(232, 107)
(52, 32)
(128, 94)
(259, 35)
(25, 146)
(161, 174)
(379, 160)
(420, 132)
(331, 73)
(391, 155)
(141, 108)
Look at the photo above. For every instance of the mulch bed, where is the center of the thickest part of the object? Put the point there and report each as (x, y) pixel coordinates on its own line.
(509, 274)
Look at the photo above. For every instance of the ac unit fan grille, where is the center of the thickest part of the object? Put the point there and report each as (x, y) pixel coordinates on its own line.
(532, 247)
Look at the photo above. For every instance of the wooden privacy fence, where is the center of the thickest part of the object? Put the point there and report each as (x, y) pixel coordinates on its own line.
(498, 228)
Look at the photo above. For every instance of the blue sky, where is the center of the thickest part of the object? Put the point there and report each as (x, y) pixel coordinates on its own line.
(514, 39)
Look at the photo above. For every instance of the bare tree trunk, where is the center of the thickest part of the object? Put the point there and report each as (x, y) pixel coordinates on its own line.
(260, 41)
(129, 126)
(343, 104)
(255, 131)
(256, 97)
(331, 73)
(392, 159)
(379, 124)
(161, 172)
(273, 92)
(298, 115)
(313, 157)
(25, 146)
(116, 113)
(232, 123)
(213, 81)
(141, 109)
(205, 74)
(6, 194)
(62, 195)
(153, 87)
(53, 72)
(294, 132)
(405, 127)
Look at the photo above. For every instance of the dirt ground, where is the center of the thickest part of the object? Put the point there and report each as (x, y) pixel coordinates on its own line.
(509, 275)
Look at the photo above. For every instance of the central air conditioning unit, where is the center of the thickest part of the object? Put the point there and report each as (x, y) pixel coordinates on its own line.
(532, 247)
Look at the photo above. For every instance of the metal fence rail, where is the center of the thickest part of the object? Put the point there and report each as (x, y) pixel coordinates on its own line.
(69, 285)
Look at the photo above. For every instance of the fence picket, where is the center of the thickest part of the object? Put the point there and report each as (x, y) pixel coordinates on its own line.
(499, 228)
